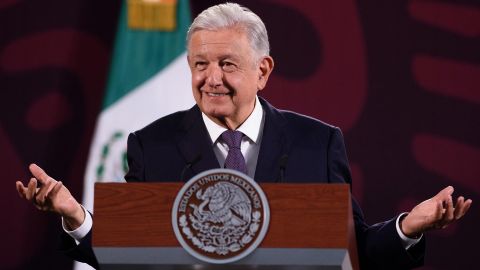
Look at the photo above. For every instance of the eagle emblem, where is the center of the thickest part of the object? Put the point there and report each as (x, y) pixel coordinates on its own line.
(219, 216)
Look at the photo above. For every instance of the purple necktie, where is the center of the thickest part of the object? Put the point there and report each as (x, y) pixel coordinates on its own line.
(235, 159)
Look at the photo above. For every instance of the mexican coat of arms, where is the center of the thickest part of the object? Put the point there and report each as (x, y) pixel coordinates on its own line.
(220, 216)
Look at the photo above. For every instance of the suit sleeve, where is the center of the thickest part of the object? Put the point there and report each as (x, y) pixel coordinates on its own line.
(379, 245)
(338, 167)
(135, 158)
(82, 252)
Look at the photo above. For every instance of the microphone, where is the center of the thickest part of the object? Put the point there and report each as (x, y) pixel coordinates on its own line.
(282, 162)
(189, 166)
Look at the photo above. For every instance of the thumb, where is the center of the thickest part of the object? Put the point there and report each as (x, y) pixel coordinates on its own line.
(445, 193)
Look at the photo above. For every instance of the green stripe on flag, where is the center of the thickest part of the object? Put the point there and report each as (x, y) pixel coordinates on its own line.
(140, 54)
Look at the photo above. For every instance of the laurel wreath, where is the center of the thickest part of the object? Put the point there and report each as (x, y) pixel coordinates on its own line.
(222, 250)
(116, 136)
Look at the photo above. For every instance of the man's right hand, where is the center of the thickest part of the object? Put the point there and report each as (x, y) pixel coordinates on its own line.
(52, 196)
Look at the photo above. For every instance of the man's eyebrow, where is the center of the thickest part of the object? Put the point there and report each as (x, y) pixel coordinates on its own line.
(220, 57)
(197, 57)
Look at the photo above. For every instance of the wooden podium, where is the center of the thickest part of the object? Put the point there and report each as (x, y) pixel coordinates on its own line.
(311, 227)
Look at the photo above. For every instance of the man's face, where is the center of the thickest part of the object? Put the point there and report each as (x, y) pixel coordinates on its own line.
(226, 75)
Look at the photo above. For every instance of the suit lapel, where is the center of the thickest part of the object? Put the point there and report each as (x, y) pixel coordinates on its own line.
(195, 145)
(275, 144)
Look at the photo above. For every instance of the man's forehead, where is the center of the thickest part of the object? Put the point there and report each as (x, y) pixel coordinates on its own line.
(214, 54)
(223, 36)
(223, 42)
(234, 30)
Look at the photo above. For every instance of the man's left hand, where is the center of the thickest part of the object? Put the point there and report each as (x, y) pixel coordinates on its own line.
(435, 213)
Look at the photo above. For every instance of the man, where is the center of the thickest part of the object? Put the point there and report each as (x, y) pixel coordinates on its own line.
(228, 55)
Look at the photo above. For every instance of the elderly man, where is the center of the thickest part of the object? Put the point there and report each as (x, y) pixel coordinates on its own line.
(228, 55)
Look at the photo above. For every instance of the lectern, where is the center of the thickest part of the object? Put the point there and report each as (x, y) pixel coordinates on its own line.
(311, 227)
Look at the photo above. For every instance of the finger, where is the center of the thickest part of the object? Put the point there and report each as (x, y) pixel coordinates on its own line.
(32, 188)
(439, 212)
(444, 193)
(459, 207)
(49, 185)
(43, 192)
(466, 205)
(39, 173)
(21, 189)
(56, 188)
(51, 188)
(434, 218)
(448, 216)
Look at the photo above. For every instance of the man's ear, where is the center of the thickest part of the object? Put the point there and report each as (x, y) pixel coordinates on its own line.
(265, 67)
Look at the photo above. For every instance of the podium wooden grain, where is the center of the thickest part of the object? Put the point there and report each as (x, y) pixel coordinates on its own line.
(302, 216)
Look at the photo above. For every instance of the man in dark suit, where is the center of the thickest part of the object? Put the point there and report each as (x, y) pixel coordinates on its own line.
(228, 54)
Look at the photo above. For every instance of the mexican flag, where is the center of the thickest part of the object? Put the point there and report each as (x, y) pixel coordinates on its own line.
(149, 78)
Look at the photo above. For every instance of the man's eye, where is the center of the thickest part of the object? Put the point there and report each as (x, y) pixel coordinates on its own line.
(228, 66)
(200, 65)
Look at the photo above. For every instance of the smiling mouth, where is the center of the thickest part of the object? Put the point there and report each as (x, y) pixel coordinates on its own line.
(216, 94)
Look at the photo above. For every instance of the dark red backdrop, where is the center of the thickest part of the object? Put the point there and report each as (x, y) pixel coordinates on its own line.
(401, 78)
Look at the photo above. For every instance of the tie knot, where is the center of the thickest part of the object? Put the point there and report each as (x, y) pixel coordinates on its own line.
(232, 138)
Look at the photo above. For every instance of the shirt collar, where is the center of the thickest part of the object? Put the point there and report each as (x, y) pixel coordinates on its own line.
(251, 126)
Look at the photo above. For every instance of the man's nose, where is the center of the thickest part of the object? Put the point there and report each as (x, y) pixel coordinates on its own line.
(214, 76)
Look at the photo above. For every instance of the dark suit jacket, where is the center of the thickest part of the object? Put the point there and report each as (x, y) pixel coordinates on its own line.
(177, 147)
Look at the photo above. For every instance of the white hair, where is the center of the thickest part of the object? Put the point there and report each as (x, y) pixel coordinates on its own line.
(231, 15)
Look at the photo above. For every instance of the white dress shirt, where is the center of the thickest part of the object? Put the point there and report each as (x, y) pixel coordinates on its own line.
(252, 128)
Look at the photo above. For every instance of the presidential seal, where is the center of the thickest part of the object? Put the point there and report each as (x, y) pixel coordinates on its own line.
(220, 216)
